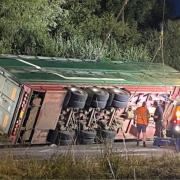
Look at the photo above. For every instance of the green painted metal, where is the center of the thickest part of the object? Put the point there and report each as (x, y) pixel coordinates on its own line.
(72, 71)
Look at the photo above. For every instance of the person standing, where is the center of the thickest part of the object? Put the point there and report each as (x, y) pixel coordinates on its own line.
(158, 117)
(142, 119)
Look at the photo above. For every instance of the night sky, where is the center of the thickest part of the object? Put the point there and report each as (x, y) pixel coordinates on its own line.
(176, 8)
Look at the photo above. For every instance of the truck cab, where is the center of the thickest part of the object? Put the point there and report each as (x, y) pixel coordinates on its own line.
(172, 121)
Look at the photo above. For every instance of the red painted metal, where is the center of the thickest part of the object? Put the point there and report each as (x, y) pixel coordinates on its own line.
(18, 120)
(46, 87)
(149, 89)
(132, 88)
(175, 93)
(48, 116)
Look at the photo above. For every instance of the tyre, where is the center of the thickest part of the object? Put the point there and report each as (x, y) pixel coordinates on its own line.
(88, 134)
(99, 104)
(52, 136)
(76, 104)
(110, 99)
(66, 142)
(87, 137)
(65, 138)
(66, 99)
(120, 95)
(87, 141)
(89, 98)
(99, 94)
(66, 135)
(105, 136)
(78, 94)
(119, 104)
(108, 134)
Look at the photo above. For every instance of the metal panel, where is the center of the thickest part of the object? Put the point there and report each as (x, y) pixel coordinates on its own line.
(40, 136)
(9, 94)
(2, 80)
(6, 103)
(4, 120)
(87, 72)
(49, 114)
(31, 119)
(20, 113)
(11, 90)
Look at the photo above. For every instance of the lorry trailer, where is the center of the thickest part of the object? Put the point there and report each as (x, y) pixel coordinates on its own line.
(68, 101)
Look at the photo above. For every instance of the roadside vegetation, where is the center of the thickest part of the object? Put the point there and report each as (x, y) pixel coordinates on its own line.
(111, 166)
(78, 29)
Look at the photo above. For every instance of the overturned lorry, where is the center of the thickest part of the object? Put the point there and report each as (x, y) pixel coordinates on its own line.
(68, 101)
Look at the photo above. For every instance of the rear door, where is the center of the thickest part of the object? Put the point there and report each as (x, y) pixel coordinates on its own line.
(9, 94)
(48, 116)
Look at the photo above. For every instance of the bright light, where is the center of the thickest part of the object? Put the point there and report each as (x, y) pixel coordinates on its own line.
(177, 128)
(116, 90)
(95, 89)
(73, 89)
(178, 114)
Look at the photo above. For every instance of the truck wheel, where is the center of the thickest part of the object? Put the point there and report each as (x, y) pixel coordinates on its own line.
(89, 98)
(105, 136)
(76, 104)
(87, 137)
(87, 141)
(52, 136)
(66, 135)
(88, 134)
(98, 104)
(120, 95)
(66, 99)
(65, 138)
(119, 104)
(110, 100)
(108, 134)
(78, 94)
(99, 94)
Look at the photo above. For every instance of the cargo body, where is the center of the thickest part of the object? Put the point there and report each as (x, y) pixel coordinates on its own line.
(65, 101)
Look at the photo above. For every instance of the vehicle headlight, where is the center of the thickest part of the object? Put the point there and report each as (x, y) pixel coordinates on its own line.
(177, 129)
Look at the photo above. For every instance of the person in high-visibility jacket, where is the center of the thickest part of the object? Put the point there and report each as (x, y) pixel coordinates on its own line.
(142, 119)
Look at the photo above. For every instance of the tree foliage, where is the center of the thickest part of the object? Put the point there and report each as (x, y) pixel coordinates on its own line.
(24, 25)
(78, 29)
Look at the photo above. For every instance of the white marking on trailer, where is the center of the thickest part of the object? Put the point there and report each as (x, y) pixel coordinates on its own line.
(37, 67)
(86, 78)
(64, 77)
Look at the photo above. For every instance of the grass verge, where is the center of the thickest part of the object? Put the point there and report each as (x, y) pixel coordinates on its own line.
(105, 166)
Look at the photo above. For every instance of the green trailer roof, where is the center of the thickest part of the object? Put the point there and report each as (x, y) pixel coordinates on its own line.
(29, 69)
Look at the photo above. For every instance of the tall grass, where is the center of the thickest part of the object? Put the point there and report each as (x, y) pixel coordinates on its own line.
(104, 166)
(75, 47)
(78, 47)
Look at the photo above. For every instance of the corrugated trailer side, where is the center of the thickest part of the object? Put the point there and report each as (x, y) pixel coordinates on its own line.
(9, 96)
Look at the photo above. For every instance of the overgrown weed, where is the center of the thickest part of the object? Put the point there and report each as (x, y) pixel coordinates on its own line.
(106, 165)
